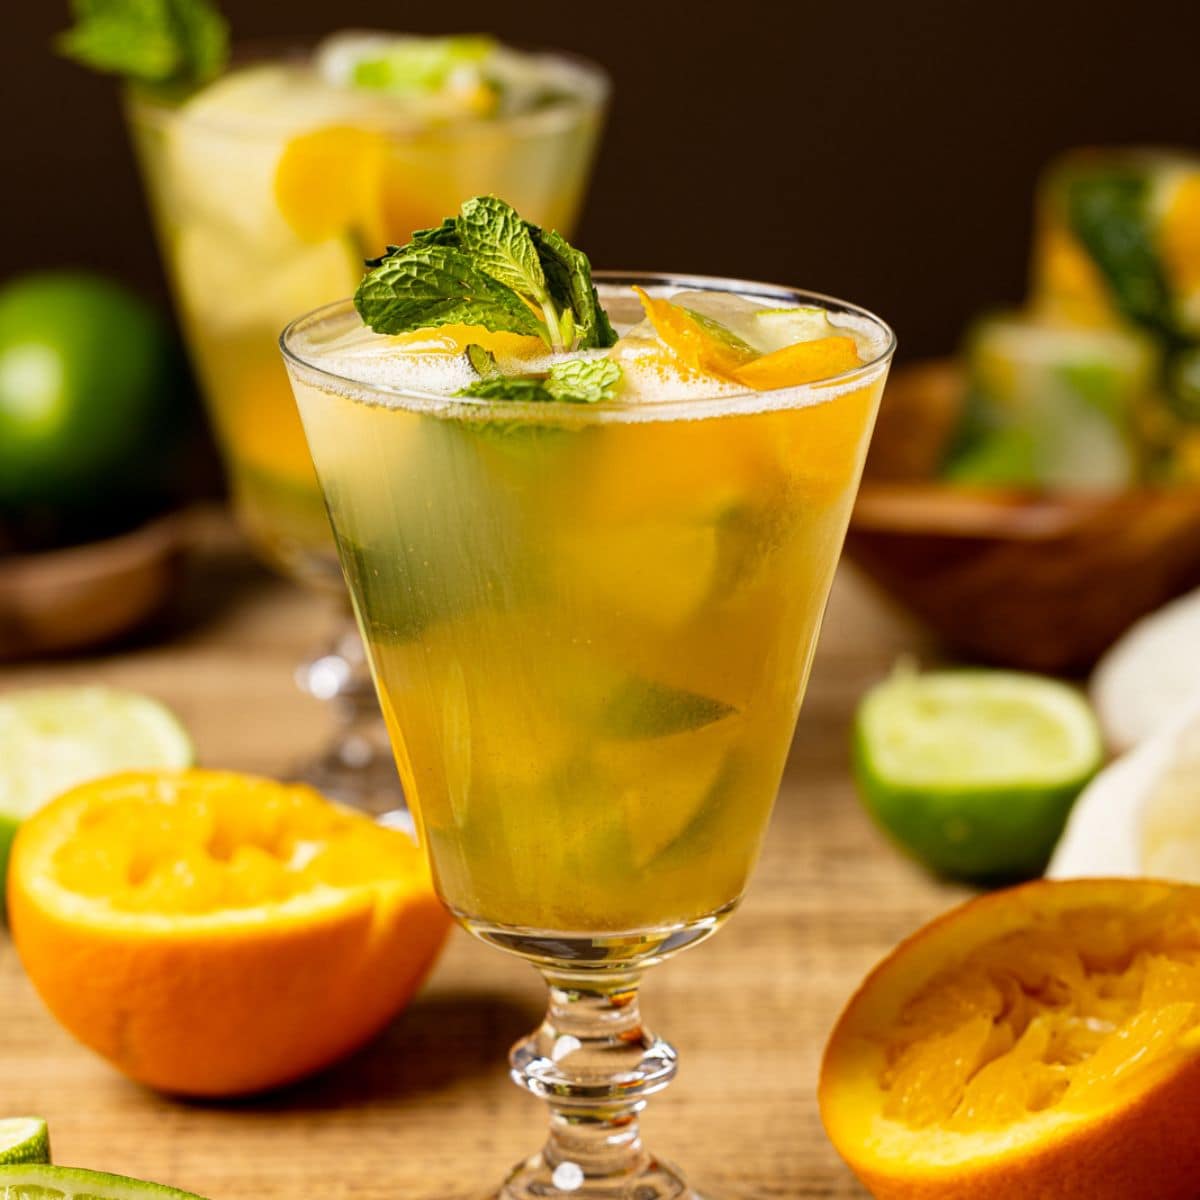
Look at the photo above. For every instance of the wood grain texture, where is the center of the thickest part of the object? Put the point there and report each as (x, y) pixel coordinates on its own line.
(427, 1110)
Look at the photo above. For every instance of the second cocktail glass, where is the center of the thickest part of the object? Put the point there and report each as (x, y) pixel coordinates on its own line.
(590, 627)
(268, 187)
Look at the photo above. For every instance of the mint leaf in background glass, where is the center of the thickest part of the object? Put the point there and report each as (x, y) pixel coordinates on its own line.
(584, 380)
(161, 42)
(423, 285)
(569, 278)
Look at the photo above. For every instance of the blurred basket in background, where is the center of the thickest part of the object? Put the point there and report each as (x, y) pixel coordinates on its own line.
(1040, 580)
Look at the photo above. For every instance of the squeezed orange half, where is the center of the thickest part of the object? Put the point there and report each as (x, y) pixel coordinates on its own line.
(1042, 1042)
(211, 933)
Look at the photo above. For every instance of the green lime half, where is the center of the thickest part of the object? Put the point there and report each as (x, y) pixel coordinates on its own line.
(974, 772)
(24, 1140)
(52, 739)
(38, 1181)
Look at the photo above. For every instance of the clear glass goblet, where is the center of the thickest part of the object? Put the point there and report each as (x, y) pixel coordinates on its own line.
(590, 628)
(241, 264)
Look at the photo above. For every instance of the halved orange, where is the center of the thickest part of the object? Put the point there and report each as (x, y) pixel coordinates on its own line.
(1041, 1043)
(213, 934)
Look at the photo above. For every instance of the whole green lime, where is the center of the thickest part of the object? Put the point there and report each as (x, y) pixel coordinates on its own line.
(89, 376)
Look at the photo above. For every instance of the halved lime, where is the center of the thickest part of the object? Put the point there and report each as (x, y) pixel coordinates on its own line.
(24, 1140)
(39, 1181)
(54, 738)
(974, 772)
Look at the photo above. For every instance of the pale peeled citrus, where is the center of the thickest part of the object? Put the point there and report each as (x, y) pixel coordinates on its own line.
(1042, 1042)
(213, 934)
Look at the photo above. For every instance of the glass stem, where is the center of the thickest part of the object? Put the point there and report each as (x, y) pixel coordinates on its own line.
(356, 767)
(595, 1064)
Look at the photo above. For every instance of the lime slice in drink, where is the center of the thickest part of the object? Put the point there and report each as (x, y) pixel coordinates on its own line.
(775, 328)
(24, 1140)
(39, 1181)
(54, 738)
(974, 772)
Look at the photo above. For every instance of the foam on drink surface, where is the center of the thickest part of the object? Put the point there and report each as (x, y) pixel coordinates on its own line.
(432, 367)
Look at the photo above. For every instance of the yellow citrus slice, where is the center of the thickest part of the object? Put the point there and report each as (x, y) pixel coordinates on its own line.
(1043, 1041)
(1179, 235)
(802, 362)
(704, 346)
(212, 933)
(330, 181)
(1067, 283)
(454, 339)
(696, 344)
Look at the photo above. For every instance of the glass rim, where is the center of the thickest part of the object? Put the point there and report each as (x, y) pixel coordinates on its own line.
(724, 404)
(591, 99)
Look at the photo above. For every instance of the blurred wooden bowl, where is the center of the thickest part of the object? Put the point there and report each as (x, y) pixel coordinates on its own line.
(67, 599)
(1042, 581)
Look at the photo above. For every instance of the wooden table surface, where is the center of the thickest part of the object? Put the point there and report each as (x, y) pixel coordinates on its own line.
(427, 1110)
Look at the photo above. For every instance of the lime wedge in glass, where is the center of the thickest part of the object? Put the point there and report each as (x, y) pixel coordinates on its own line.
(38, 1181)
(974, 772)
(24, 1140)
(54, 738)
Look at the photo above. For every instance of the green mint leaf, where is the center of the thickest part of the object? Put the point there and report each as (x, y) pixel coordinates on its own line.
(160, 42)
(584, 380)
(523, 388)
(424, 285)
(498, 240)
(482, 361)
(506, 271)
(643, 708)
(569, 279)
(445, 234)
(576, 381)
(1110, 214)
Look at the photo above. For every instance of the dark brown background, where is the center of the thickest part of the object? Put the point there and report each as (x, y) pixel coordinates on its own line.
(882, 151)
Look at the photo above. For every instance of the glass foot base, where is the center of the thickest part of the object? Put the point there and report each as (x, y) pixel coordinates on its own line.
(538, 1179)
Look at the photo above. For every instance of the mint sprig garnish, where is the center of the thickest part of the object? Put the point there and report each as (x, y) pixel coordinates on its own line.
(161, 42)
(576, 381)
(584, 380)
(487, 267)
(426, 284)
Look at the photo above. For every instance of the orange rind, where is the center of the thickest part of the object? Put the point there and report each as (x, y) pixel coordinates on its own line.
(1042, 1042)
(213, 934)
(704, 346)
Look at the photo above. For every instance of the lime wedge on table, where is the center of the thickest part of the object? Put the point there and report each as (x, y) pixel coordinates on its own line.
(38, 1181)
(24, 1140)
(54, 738)
(974, 772)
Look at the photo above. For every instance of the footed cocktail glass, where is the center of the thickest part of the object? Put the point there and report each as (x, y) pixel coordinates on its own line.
(590, 628)
(269, 187)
